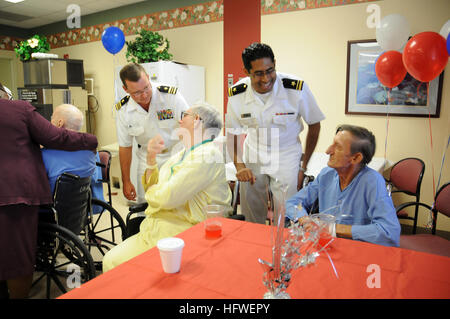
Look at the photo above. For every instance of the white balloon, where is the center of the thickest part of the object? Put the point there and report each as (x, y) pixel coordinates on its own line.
(445, 30)
(393, 32)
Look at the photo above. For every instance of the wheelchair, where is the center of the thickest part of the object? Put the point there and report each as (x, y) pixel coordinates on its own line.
(66, 235)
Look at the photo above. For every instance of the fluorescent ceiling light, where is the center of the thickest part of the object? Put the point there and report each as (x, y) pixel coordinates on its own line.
(14, 1)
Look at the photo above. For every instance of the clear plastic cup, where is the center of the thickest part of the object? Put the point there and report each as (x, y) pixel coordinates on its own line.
(328, 222)
(213, 223)
(170, 251)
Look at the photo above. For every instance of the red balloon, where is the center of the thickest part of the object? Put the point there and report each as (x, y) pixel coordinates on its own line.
(425, 56)
(389, 69)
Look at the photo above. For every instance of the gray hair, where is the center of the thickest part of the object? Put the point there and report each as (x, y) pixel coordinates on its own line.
(73, 117)
(211, 118)
(363, 142)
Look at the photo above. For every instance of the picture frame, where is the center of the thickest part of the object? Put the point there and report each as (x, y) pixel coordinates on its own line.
(365, 95)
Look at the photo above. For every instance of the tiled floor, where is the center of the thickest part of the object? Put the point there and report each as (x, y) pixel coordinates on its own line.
(120, 204)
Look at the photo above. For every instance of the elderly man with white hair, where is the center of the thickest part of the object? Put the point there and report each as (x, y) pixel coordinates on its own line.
(178, 192)
(81, 163)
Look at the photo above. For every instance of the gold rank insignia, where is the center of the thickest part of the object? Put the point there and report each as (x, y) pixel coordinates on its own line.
(167, 89)
(237, 89)
(293, 84)
(122, 102)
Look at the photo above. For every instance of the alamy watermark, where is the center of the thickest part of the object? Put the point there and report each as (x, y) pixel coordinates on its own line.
(74, 19)
(264, 149)
(373, 20)
(374, 279)
(74, 279)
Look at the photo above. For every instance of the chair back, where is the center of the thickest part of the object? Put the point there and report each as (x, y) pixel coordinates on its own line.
(442, 202)
(105, 159)
(406, 175)
(71, 201)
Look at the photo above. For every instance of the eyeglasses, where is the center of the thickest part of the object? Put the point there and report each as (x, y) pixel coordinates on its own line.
(183, 114)
(260, 74)
(139, 93)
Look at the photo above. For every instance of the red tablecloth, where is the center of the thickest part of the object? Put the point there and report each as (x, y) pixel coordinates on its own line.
(228, 268)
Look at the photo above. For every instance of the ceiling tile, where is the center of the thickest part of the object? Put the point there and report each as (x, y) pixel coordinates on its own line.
(42, 11)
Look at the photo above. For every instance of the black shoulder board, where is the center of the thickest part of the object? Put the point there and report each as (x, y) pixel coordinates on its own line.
(122, 102)
(293, 84)
(237, 89)
(167, 89)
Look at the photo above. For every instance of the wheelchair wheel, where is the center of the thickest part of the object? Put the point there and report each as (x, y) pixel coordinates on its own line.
(104, 231)
(62, 260)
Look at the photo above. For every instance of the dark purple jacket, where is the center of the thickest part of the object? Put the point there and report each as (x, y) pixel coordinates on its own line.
(22, 173)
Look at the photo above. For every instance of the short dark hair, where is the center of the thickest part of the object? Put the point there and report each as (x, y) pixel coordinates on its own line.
(131, 72)
(364, 141)
(254, 52)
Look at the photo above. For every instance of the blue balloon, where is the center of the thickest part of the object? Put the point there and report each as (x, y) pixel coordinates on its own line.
(448, 44)
(113, 39)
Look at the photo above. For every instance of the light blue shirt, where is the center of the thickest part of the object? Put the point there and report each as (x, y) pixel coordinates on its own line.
(81, 163)
(364, 204)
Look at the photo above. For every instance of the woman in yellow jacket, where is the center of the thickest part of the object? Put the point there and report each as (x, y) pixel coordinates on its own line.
(185, 184)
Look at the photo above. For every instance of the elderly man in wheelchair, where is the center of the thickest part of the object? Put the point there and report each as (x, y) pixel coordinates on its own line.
(68, 231)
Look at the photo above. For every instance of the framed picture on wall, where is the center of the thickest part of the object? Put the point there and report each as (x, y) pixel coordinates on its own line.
(367, 96)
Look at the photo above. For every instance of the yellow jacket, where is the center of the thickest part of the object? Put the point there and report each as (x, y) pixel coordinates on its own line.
(178, 193)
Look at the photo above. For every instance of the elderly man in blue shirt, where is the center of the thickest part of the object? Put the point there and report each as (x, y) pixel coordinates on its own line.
(354, 193)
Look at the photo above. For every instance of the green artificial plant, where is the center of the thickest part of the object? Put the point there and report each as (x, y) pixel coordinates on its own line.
(37, 43)
(148, 46)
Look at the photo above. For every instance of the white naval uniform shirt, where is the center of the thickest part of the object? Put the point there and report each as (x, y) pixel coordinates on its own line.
(133, 121)
(276, 121)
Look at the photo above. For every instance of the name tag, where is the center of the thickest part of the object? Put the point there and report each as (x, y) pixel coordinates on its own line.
(165, 114)
(288, 113)
(246, 115)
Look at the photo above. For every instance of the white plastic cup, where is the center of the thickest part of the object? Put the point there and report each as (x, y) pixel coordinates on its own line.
(170, 251)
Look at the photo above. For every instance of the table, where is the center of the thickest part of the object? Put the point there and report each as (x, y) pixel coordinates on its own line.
(228, 268)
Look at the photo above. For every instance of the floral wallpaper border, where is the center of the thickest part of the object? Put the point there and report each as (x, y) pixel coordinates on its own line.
(211, 11)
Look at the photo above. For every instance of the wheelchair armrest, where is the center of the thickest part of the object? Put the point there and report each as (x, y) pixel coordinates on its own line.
(70, 175)
(133, 224)
(407, 204)
(237, 217)
(138, 208)
(100, 164)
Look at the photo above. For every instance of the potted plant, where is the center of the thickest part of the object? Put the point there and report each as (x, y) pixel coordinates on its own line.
(148, 47)
(37, 43)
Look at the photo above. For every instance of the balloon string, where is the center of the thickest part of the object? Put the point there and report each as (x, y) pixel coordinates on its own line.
(387, 128)
(431, 140)
(115, 77)
(418, 91)
(431, 219)
(442, 163)
(431, 216)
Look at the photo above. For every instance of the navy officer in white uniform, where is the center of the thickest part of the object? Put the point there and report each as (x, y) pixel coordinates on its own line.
(148, 109)
(267, 107)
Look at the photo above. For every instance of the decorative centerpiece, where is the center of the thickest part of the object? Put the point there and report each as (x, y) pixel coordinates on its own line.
(303, 243)
(148, 47)
(35, 44)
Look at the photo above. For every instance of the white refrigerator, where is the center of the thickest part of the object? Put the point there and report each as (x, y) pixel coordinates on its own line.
(189, 79)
